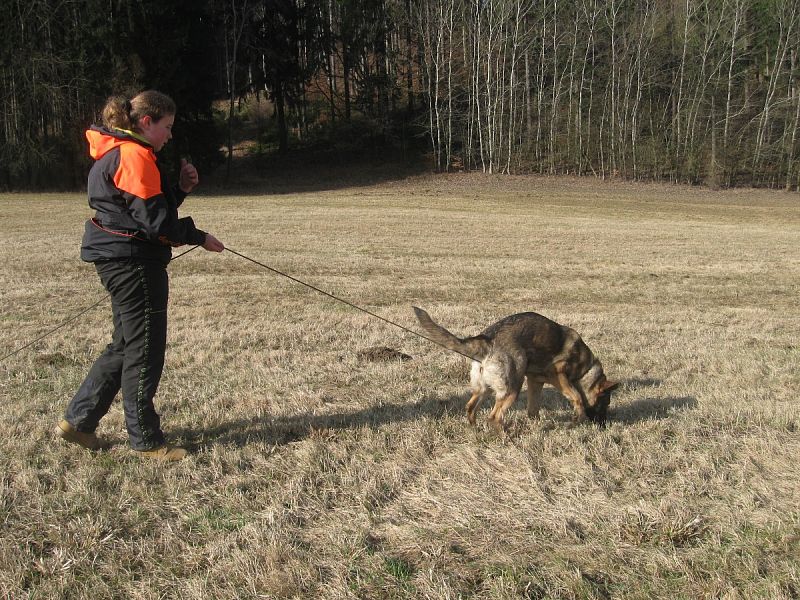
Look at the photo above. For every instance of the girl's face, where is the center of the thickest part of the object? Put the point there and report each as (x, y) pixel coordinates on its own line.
(158, 132)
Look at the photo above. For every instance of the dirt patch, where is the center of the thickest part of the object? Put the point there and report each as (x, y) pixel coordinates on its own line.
(381, 354)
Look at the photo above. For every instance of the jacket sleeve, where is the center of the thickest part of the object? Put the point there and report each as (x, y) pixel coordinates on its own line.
(155, 212)
(179, 194)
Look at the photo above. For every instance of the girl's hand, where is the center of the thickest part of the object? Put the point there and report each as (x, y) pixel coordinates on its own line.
(212, 244)
(189, 177)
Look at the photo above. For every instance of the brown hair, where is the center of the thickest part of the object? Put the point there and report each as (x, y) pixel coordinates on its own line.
(121, 113)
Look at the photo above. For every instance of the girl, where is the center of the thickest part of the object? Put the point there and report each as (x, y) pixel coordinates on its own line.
(130, 242)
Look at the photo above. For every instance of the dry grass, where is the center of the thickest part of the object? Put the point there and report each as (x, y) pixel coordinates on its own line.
(318, 474)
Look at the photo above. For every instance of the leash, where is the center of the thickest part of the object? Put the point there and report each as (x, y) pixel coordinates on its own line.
(71, 319)
(350, 304)
(267, 267)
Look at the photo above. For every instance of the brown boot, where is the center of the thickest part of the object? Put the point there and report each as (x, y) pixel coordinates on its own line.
(67, 432)
(165, 452)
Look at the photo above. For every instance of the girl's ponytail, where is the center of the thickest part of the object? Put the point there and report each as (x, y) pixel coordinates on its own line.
(121, 113)
(117, 113)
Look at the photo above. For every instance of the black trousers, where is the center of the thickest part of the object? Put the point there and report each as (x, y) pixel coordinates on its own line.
(134, 360)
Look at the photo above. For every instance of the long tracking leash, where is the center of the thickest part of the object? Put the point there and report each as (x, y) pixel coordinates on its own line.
(71, 319)
(350, 304)
(264, 266)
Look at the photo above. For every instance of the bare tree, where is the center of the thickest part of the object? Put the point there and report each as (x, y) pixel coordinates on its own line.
(786, 17)
(435, 22)
(735, 24)
(235, 17)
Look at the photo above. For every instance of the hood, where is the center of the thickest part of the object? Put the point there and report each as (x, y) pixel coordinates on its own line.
(102, 140)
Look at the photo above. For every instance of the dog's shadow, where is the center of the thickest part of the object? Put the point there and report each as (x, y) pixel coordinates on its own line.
(287, 429)
(640, 409)
(648, 408)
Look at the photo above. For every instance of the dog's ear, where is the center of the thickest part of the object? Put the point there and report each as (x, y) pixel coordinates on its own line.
(608, 386)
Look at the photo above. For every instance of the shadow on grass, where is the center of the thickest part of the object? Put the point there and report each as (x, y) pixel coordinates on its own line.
(646, 409)
(288, 429)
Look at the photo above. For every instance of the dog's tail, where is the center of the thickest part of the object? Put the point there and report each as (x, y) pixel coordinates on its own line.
(474, 347)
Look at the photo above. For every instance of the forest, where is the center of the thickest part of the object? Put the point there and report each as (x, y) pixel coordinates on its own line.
(689, 91)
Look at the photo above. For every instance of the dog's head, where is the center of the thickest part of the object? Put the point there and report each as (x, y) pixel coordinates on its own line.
(598, 398)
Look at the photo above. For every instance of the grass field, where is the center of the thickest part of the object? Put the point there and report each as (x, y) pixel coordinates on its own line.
(318, 473)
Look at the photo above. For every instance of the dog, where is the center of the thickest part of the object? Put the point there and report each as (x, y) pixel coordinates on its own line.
(528, 345)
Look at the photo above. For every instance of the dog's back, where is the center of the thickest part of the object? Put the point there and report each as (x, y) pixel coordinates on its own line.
(539, 338)
(543, 341)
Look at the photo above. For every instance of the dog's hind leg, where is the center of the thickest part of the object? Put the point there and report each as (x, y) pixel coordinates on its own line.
(505, 375)
(534, 398)
(501, 405)
(479, 390)
(474, 404)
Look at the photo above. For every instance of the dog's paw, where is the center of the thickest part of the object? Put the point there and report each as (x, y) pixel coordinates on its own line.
(498, 427)
(579, 419)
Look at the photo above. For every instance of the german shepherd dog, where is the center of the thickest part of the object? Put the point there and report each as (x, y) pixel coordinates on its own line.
(528, 345)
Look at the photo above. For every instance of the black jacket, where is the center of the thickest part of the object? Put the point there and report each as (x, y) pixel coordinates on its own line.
(137, 211)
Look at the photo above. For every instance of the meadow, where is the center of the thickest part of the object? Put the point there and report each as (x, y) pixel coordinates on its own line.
(322, 469)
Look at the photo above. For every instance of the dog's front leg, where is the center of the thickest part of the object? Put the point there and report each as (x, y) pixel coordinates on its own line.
(574, 396)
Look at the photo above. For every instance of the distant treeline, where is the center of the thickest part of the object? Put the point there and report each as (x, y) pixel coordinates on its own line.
(701, 91)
